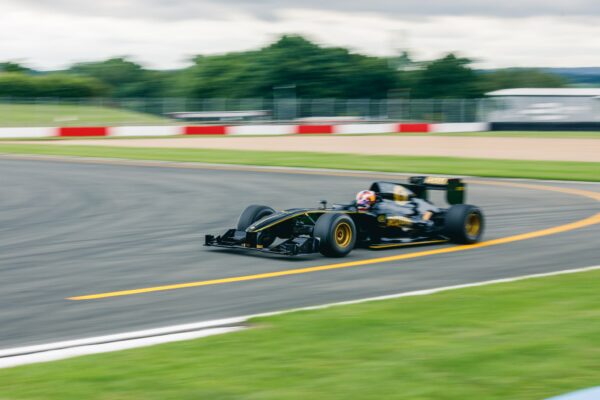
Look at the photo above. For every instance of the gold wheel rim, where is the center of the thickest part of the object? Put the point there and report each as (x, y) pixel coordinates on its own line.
(473, 225)
(343, 234)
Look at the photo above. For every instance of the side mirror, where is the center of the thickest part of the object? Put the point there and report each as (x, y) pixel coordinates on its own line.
(323, 204)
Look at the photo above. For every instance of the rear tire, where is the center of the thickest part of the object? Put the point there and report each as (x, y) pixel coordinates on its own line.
(464, 224)
(336, 233)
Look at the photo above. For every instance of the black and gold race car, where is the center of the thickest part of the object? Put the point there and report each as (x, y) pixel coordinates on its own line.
(402, 215)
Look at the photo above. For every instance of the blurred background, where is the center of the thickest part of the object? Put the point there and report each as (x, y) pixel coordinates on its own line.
(148, 62)
(132, 224)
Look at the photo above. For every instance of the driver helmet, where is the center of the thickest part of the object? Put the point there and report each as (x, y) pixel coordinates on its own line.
(365, 199)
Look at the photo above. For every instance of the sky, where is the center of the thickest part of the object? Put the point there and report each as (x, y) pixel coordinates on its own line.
(165, 34)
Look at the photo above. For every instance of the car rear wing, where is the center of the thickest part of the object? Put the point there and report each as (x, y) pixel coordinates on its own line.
(454, 187)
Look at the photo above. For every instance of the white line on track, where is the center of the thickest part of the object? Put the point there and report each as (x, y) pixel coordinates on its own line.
(68, 352)
(103, 344)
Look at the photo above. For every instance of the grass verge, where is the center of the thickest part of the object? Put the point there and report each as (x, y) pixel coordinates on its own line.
(525, 340)
(71, 115)
(577, 171)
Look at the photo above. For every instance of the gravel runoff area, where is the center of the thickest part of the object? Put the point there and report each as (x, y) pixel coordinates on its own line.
(549, 149)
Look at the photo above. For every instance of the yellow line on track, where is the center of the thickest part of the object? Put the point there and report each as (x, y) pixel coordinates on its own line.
(594, 219)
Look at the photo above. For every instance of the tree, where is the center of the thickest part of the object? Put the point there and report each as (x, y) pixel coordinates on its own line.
(51, 85)
(10, 66)
(520, 78)
(63, 85)
(14, 84)
(315, 71)
(125, 78)
(449, 77)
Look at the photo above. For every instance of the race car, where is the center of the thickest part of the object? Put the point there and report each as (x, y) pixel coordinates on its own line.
(401, 215)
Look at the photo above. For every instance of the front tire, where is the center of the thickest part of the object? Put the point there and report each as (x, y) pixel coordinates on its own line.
(464, 224)
(255, 213)
(252, 214)
(336, 233)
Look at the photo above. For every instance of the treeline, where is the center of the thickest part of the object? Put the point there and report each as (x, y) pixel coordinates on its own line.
(14, 84)
(292, 66)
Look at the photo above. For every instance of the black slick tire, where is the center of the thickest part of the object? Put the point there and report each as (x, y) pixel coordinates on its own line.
(252, 214)
(336, 234)
(464, 224)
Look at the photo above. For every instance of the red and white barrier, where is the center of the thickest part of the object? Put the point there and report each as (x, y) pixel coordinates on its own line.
(461, 127)
(204, 130)
(239, 130)
(26, 133)
(357, 129)
(133, 131)
(79, 131)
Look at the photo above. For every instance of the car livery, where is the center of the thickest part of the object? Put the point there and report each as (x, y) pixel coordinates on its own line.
(401, 216)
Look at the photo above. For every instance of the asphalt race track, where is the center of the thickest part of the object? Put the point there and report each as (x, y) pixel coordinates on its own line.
(69, 229)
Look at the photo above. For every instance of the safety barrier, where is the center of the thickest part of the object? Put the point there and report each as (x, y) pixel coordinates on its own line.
(239, 130)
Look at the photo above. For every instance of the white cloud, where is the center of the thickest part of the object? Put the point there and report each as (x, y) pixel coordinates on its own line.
(191, 9)
(49, 39)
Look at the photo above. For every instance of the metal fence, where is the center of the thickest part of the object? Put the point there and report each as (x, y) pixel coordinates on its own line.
(86, 112)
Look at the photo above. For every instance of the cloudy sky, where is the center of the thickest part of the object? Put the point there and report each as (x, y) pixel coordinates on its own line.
(49, 34)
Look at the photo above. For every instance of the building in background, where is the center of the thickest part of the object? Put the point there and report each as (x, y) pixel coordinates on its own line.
(556, 109)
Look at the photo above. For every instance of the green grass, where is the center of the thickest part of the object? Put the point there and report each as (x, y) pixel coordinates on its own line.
(580, 171)
(526, 340)
(71, 115)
